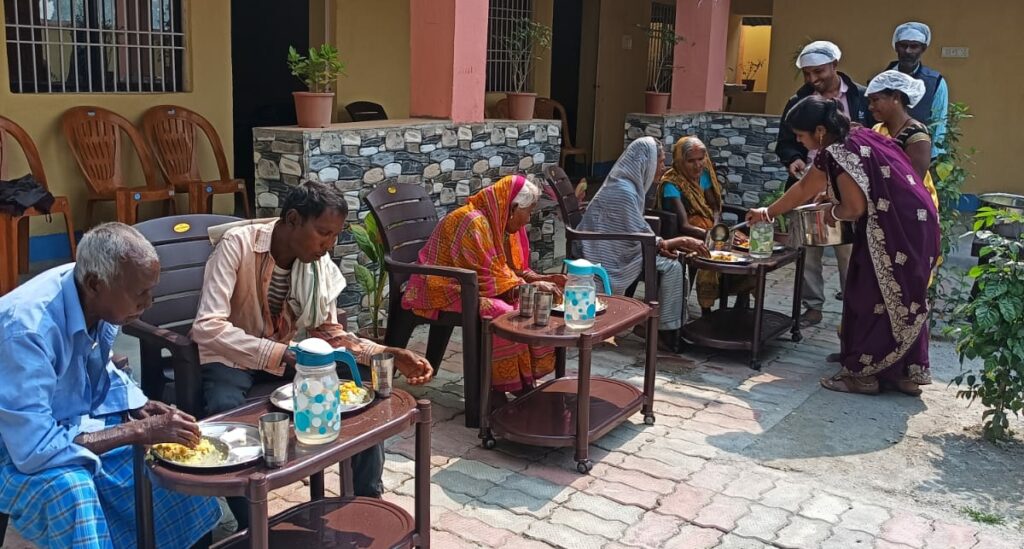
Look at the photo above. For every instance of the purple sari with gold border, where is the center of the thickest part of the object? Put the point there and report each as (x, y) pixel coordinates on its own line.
(896, 243)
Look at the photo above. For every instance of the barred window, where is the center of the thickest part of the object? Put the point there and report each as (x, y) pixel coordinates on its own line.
(94, 46)
(659, 53)
(501, 20)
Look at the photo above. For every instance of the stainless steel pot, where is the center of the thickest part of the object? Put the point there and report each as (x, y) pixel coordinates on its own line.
(1005, 201)
(808, 227)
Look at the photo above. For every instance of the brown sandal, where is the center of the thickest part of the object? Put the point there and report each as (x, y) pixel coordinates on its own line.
(810, 318)
(908, 387)
(846, 384)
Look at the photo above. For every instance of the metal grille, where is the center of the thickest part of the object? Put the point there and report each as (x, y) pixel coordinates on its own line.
(659, 54)
(94, 46)
(500, 21)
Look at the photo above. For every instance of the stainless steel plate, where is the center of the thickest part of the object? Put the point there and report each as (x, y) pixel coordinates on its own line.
(282, 398)
(236, 444)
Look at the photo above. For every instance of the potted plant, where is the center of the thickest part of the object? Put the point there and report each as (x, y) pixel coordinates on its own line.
(368, 240)
(318, 71)
(658, 93)
(750, 71)
(525, 44)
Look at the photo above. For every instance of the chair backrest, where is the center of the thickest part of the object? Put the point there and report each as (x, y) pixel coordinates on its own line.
(183, 244)
(406, 216)
(565, 194)
(28, 147)
(171, 132)
(361, 111)
(549, 109)
(500, 109)
(94, 135)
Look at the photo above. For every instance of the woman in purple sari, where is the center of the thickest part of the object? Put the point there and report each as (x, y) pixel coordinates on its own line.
(871, 182)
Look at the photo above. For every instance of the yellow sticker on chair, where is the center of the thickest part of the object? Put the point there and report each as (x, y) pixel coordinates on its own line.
(392, 190)
(182, 228)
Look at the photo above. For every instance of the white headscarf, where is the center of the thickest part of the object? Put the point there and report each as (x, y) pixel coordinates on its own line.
(896, 80)
(618, 207)
(912, 32)
(821, 52)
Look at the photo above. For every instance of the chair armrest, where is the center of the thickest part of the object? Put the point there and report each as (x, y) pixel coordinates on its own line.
(465, 277)
(156, 336)
(648, 239)
(655, 222)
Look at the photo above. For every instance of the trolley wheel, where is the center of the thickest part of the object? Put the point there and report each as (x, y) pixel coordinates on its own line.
(649, 419)
(489, 443)
(584, 466)
(755, 365)
(797, 337)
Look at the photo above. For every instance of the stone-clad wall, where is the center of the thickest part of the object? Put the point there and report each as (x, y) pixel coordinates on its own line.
(742, 146)
(451, 161)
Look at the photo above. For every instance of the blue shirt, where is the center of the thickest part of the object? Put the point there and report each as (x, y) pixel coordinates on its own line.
(940, 111)
(56, 375)
(671, 191)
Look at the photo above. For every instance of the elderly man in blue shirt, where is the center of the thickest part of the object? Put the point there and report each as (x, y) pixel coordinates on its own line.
(911, 40)
(65, 458)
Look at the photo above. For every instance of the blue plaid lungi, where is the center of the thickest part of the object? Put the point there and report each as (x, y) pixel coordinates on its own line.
(68, 507)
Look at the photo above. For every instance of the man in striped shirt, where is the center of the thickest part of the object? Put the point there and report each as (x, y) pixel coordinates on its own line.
(247, 319)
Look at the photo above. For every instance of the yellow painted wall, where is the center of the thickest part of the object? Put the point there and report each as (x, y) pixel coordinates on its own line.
(372, 37)
(208, 76)
(755, 45)
(988, 80)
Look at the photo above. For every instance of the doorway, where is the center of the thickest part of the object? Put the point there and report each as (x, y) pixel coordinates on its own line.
(262, 85)
(567, 29)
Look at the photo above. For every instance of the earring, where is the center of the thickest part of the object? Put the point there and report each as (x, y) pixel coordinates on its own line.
(819, 140)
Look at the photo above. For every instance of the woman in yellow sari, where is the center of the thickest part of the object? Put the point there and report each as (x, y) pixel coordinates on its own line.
(691, 191)
(488, 235)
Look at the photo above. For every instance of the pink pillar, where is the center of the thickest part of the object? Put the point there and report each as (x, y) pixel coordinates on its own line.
(698, 81)
(448, 61)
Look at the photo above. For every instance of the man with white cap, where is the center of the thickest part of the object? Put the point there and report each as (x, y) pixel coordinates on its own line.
(818, 61)
(910, 40)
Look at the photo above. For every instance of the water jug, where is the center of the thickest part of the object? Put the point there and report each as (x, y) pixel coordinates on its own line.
(315, 392)
(581, 293)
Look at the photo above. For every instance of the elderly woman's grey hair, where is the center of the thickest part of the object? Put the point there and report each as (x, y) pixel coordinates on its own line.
(528, 195)
(107, 248)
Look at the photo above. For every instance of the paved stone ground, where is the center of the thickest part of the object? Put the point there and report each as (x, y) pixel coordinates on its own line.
(737, 459)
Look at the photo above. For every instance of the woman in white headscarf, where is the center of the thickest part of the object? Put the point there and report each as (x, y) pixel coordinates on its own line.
(618, 207)
(890, 96)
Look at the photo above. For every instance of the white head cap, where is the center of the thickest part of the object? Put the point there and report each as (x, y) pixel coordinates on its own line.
(896, 80)
(821, 52)
(912, 32)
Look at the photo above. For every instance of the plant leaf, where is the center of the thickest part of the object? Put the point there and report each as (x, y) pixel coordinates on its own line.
(365, 279)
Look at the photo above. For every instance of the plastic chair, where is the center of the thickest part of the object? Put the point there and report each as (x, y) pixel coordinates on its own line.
(362, 111)
(406, 216)
(14, 230)
(171, 131)
(550, 109)
(94, 135)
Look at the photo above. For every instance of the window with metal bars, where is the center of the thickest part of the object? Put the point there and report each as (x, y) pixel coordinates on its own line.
(95, 46)
(501, 21)
(659, 52)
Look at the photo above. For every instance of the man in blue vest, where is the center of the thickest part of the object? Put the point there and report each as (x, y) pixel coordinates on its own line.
(910, 41)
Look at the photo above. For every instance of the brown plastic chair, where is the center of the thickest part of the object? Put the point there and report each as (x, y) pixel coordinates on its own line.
(14, 230)
(183, 244)
(572, 214)
(94, 135)
(363, 111)
(171, 131)
(406, 215)
(549, 109)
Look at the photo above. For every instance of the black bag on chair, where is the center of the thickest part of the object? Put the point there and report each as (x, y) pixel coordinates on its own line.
(23, 193)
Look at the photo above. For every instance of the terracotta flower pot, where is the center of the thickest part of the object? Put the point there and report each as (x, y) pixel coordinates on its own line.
(313, 110)
(367, 333)
(656, 103)
(520, 105)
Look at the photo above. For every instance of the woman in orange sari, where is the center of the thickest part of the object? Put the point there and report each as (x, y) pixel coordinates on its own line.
(690, 190)
(488, 235)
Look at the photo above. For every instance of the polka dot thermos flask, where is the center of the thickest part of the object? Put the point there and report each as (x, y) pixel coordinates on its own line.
(581, 293)
(315, 392)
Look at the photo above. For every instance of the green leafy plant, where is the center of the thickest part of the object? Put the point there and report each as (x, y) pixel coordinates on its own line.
(319, 70)
(525, 44)
(990, 327)
(667, 39)
(950, 173)
(780, 221)
(370, 243)
(751, 69)
(982, 517)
